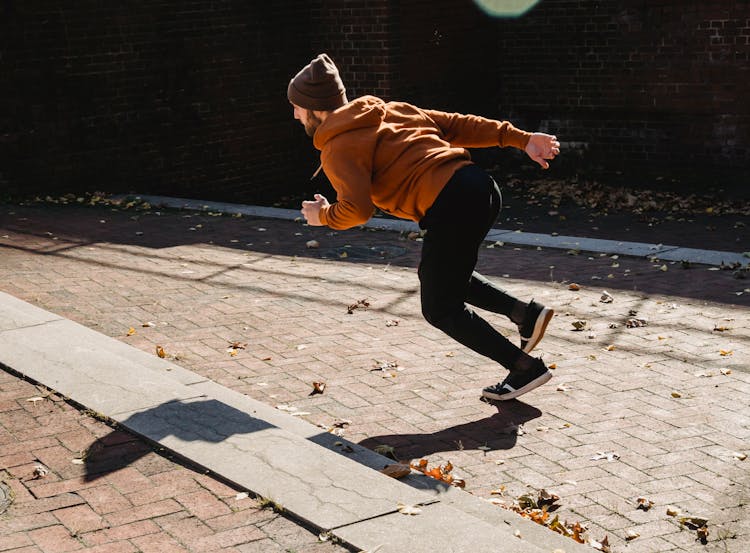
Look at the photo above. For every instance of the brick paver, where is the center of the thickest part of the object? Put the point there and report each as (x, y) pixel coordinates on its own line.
(669, 400)
(136, 503)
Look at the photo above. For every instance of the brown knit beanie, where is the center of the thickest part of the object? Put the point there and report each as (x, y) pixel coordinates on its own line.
(318, 86)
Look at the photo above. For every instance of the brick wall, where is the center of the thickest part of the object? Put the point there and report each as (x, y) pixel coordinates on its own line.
(187, 98)
(169, 97)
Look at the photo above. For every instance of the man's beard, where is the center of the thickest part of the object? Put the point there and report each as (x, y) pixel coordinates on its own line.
(312, 124)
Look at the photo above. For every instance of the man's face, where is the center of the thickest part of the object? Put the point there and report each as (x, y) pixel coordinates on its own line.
(307, 117)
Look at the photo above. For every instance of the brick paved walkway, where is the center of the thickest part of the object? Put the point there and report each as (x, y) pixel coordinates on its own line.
(80, 485)
(669, 399)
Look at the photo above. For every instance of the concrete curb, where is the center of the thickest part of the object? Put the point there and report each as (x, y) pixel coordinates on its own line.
(316, 476)
(612, 247)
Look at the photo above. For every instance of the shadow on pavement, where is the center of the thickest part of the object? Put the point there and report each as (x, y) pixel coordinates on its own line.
(174, 422)
(500, 431)
(63, 231)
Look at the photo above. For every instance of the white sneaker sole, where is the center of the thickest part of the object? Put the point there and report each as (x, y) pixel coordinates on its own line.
(513, 393)
(545, 316)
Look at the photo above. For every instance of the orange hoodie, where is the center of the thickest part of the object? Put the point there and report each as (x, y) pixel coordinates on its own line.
(398, 157)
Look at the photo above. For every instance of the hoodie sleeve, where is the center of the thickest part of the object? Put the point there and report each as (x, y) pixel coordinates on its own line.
(472, 131)
(351, 177)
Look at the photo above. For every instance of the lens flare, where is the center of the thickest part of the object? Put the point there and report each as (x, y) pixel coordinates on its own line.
(506, 8)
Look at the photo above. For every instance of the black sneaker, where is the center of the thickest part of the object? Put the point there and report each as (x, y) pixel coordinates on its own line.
(519, 382)
(534, 324)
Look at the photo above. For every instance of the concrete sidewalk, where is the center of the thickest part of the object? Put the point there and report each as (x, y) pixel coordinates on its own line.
(667, 401)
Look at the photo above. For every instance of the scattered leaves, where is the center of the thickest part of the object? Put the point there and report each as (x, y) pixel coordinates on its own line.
(630, 535)
(40, 471)
(635, 323)
(601, 545)
(537, 508)
(397, 470)
(318, 388)
(438, 472)
(360, 304)
(608, 455)
(387, 368)
(644, 504)
(408, 509)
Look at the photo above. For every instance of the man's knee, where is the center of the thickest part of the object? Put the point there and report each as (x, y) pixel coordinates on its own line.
(439, 316)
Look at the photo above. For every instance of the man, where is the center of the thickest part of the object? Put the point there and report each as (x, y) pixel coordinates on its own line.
(412, 163)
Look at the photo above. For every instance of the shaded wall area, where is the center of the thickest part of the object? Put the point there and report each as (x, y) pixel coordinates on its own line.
(188, 98)
(169, 97)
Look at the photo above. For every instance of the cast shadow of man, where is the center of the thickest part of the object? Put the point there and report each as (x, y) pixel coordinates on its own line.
(184, 426)
(498, 431)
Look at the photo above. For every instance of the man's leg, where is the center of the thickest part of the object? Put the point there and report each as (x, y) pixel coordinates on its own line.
(532, 318)
(456, 226)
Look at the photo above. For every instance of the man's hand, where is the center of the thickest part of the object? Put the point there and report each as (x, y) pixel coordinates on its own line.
(542, 147)
(311, 210)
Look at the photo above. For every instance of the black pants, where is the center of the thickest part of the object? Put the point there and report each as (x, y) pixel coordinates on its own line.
(456, 226)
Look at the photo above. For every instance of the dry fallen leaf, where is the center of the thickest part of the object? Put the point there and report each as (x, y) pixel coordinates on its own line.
(397, 470)
(672, 511)
(131, 331)
(160, 352)
(606, 297)
(726, 353)
(676, 395)
(601, 545)
(40, 471)
(391, 322)
(552, 366)
(238, 345)
(579, 325)
(611, 347)
(361, 304)
(630, 535)
(644, 504)
(318, 388)
(608, 455)
(740, 456)
(408, 509)
(635, 323)
(574, 287)
(725, 371)
(721, 328)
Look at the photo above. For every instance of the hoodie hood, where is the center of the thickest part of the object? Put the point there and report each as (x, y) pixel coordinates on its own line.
(367, 111)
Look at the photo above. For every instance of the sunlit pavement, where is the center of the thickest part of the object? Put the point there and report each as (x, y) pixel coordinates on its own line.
(656, 411)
